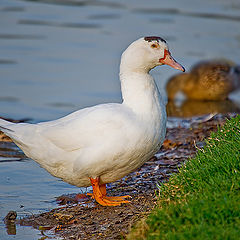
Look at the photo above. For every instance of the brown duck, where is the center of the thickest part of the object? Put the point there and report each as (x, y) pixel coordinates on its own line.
(207, 80)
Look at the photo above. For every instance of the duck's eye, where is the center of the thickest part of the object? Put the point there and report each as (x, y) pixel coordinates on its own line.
(154, 45)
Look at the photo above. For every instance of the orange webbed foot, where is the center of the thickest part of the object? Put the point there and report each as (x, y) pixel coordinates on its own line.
(100, 195)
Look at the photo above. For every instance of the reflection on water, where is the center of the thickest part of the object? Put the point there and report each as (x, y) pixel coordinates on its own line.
(11, 228)
(25, 188)
(9, 221)
(191, 108)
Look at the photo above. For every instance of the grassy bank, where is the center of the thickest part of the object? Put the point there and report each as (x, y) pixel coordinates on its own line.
(202, 201)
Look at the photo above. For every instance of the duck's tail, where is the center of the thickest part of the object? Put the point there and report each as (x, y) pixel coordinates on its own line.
(6, 126)
(16, 131)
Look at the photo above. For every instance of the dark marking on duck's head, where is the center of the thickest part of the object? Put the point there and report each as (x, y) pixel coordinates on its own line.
(154, 38)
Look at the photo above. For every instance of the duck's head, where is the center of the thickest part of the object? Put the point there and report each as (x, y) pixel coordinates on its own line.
(147, 53)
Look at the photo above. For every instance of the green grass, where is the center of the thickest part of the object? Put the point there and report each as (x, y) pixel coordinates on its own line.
(202, 201)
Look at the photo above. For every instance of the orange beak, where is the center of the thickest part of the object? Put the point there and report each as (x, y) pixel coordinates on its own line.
(169, 60)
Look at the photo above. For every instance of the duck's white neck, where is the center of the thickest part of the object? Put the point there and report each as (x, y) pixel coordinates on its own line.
(140, 93)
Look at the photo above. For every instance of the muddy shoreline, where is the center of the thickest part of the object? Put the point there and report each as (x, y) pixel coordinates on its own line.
(88, 220)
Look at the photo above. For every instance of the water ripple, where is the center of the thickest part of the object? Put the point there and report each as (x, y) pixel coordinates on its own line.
(7, 61)
(54, 24)
(175, 11)
(9, 99)
(61, 105)
(80, 3)
(12, 9)
(104, 16)
(21, 36)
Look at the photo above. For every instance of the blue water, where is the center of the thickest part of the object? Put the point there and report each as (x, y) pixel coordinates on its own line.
(59, 56)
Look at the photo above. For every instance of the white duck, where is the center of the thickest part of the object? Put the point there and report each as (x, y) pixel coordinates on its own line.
(103, 143)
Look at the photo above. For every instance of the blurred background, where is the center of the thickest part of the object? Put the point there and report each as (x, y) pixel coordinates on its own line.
(57, 56)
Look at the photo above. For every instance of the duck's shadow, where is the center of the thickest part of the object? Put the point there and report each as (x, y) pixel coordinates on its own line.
(191, 108)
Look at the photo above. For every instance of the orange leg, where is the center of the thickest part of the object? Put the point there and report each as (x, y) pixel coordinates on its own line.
(100, 194)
